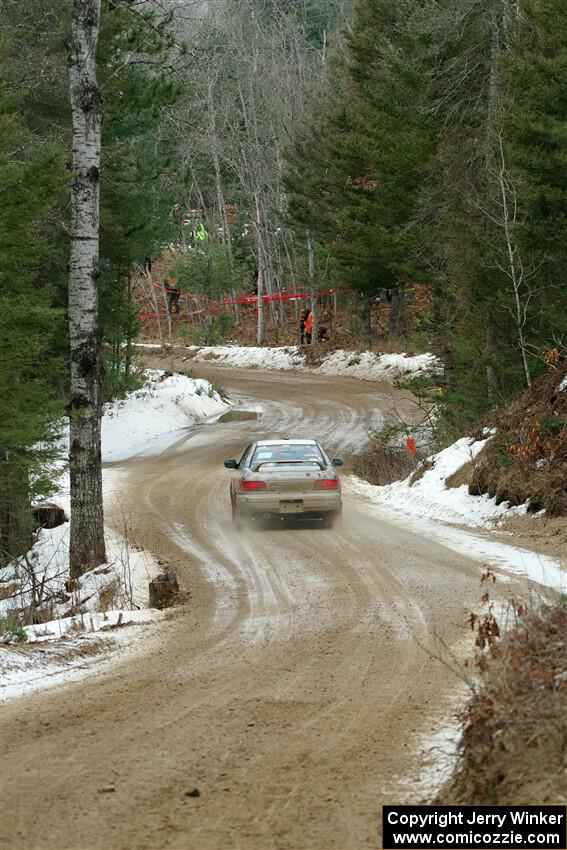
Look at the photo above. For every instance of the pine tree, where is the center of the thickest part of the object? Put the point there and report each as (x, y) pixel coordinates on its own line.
(140, 175)
(32, 180)
(537, 131)
(355, 175)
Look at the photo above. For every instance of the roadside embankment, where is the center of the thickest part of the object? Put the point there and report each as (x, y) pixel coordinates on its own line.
(513, 747)
(365, 365)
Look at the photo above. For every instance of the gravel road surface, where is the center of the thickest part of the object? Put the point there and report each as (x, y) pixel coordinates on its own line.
(292, 687)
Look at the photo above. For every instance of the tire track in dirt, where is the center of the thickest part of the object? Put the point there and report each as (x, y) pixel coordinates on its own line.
(289, 687)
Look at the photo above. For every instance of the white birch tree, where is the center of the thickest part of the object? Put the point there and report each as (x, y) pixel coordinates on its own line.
(87, 546)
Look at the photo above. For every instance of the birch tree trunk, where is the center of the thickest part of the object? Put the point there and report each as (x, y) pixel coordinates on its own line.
(312, 292)
(87, 548)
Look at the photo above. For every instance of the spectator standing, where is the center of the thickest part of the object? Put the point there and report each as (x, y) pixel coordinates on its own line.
(173, 292)
(308, 325)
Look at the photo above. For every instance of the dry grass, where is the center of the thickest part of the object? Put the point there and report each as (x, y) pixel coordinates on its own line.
(424, 466)
(463, 475)
(381, 465)
(108, 596)
(514, 744)
(8, 590)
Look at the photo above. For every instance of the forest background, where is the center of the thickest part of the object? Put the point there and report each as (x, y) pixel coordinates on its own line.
(327, 144)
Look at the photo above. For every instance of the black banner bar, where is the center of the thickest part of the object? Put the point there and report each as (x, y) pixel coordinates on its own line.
(474, 827)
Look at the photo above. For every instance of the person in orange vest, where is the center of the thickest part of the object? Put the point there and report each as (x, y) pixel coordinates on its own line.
(308, 325)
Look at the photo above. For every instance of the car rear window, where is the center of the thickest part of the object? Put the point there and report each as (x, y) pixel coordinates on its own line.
(288, 453)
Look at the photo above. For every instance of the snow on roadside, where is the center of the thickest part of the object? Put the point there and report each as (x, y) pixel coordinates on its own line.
(153, 417)
(113, 594)
(145, 422)
(428, 496)
(119, 585)
(248, 357)
(31, 667)
(75, 639)
(429, 508)
(365, 365)
(377, 367)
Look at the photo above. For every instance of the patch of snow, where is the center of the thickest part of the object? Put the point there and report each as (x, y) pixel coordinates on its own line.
(249, 357)
(428, 507)
(120, 584)
(154, 417)
(377, 367)
(436, 752)
(365, 365)
(91, 622)
(77, 655)
(429, 496)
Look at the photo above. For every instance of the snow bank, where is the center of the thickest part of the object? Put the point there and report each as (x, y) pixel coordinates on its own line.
(252, 357)
(151, 418)
(92, 622)
(429, 496)
(377, 367)
(429, 508)
(364, 365)
(113, 595)
(31, 667)
(120, 584)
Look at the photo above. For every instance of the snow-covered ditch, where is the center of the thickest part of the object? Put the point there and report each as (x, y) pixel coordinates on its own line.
(425, 504)
(89, 613)
(365, 365)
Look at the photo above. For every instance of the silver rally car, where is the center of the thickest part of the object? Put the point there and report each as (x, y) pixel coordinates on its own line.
(283, 478)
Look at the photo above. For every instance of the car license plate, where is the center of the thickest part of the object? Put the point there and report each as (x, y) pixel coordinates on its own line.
(291, 506)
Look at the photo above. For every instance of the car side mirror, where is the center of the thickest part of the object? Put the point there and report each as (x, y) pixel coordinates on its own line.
(231, 464)
(337, 461)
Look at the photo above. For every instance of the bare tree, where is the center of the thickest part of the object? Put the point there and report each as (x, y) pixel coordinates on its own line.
(87, 547)
(261, 272)
(256, 74)
(513, 267)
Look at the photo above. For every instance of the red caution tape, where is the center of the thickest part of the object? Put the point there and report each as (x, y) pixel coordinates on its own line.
(241, 301)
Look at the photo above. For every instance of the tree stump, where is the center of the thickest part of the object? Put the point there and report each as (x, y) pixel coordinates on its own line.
(48, 515)
(164, 591)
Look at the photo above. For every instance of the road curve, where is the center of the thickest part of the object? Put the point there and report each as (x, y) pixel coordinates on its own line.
(289, 690)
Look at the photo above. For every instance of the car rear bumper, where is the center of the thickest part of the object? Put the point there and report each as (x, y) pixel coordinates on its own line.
(288, 503)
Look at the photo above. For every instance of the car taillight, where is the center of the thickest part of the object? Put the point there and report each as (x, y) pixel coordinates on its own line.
(253, 485)
(327, 484)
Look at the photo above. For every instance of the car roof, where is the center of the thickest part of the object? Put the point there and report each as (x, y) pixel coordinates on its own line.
(284, 442)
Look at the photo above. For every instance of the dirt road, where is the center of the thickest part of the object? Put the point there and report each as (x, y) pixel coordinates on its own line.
(290, 690)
